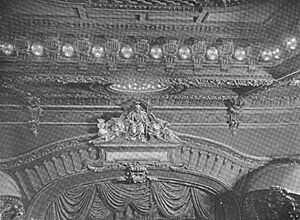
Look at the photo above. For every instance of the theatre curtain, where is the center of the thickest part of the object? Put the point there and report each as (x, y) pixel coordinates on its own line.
(72, 205)
(102, 200)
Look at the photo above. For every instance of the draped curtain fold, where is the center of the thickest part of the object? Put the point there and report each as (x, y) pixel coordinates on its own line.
(202, 203)
(119, 196)
(72, 205)
(99, 210)
(101, 200)
(172, 199)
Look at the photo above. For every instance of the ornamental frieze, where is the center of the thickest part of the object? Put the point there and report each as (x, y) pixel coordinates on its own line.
(109, 51)
(172, 5)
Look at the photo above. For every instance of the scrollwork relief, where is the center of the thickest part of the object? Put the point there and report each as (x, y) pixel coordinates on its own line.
(136, 173)
(275, 203)
(11, 208)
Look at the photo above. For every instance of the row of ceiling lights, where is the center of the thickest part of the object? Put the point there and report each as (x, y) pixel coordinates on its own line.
(212, 53)
(138, 87)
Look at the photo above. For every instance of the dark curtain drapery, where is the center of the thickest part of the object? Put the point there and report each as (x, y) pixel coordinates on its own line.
(202, 203)
(99, 210)
(102, 200)
(119, 196)
(72, 205)
(172, 199)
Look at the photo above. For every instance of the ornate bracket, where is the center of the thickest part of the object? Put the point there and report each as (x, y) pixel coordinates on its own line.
(35, 112)
(32, 104)
(170, 49)
(136, 173)
(234, 109)
(226, 52)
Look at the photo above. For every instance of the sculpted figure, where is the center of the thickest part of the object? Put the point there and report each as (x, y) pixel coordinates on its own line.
(109, 130)
(137, 123)
(160, 129)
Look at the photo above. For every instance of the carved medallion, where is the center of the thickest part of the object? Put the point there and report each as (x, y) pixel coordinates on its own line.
(136, 173)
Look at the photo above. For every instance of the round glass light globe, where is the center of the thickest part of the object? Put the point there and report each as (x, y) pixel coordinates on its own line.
(156, 52)
(291, 43)
(37, 49)
(7, 48)
(184, 52)
(277, 53)
(212, 53)
(239, 54)
(267, 55)
(127, 51)
(68, 50)
(98, 51)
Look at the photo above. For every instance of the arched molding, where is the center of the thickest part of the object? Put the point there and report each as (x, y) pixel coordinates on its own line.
(9, 187)
(269, 175)
(195, 161)
(47, 195)
(188, 140)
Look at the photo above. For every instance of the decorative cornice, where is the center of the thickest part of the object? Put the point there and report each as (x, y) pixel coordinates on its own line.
(218, 147)
(117, 78)
(169, 5)
(70, 143)
(40, 153)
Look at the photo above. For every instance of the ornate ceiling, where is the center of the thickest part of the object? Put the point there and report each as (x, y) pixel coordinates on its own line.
(188, 54)
(197, 99)
(88, 42)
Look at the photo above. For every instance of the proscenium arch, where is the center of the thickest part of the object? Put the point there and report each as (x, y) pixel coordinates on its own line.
(42, 199)
(190, 147)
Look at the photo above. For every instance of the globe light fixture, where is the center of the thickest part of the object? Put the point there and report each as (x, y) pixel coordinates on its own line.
(267, 55)
(138, 87)
(291, 43)
(295, 82)
(37, 49)
(98, 51)
(212, 53)
(68, 50)
(7, 48)
(240, 54)
(127, 51)
(277, 53)
(156, 52)
(184, 52)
